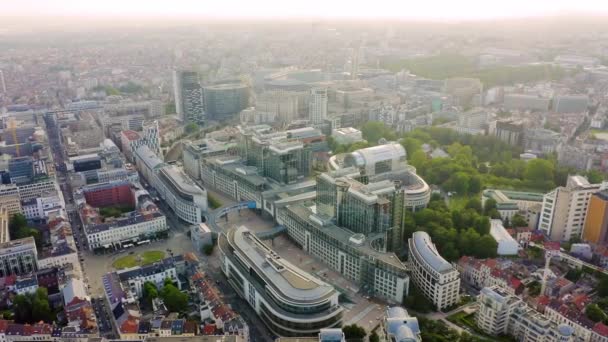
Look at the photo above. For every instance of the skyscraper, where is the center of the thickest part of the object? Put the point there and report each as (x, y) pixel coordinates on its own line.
(2, 83)
(317, 110)
(188, 96)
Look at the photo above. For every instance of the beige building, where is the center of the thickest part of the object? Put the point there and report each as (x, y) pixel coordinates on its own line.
(564, 209)
(9, 197)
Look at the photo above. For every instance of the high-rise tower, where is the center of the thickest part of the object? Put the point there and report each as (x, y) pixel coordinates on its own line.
(188, 96)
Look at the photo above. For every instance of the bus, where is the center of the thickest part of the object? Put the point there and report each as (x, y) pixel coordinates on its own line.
(127, 245)
(143, 242)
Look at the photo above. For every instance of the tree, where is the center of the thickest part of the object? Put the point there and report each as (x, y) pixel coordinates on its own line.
(373, 131)
(191, 128)
(208, 249)
(602, 287)
(353, 332)
(486, 248)
(488, 206)
(475, 204)
(518, 221)
(594, 176)
(539, 171)
(594, 313)
(174, 299)
(33, 307)
(149, 292)
(373, 337)
(475, 185)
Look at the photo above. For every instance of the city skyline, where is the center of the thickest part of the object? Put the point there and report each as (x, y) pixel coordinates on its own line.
(274, 9)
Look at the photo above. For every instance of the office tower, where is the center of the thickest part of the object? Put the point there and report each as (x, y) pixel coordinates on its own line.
(436, 278)
(317, 108)
(2, 83)
(225, 101)
(188, 96)
(284, 105)
(596, 223)
(563, 212)
(21, 169)
(510, 132)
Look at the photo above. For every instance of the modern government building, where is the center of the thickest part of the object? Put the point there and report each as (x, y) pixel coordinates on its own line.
(289, 301)
(180, 192)
(437, 279)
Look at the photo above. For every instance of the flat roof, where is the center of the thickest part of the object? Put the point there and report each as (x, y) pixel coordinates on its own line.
(284, 277)
(181, 180)
(343, 235)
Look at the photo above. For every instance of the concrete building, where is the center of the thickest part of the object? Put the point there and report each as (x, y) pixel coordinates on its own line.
(526, 102)
(541, 140)
(144, 222)
(372, 205)
(501, 313)
(506, 243)
(596, 223)
(201, 236)
(346, 135)
(10, 199)
(317, 108)
(355, 256)
(510, 132)
(289, 301)
(230, 176)
(194, 152)
(18, 257)
(377, 159)
(178, 190)
(571, 104)
(509, 203)
(495, 310)
(436, 278)
(188, 95)
(4, 221)
(564, 209)
(156, 273)
(398, 325)
(284, 106)
(225, 101)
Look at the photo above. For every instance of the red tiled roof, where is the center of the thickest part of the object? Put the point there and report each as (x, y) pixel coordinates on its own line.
(129, 326)
(601, 329)
(515, 283)
(552, 245)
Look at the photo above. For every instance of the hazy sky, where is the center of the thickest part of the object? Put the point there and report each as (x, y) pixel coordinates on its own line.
(406, 9)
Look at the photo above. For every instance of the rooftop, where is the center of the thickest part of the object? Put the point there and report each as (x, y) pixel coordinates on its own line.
(286, 278)
(343, 236)
(428, 252)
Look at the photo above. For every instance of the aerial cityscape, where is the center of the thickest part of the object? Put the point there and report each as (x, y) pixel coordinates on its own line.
(183, 173)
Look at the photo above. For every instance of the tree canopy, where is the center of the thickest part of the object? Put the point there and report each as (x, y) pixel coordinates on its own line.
(33, 307)
(354, 332)
(174, 299)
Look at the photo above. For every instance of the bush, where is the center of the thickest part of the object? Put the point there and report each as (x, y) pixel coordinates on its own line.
(208, 249)
(214, 203)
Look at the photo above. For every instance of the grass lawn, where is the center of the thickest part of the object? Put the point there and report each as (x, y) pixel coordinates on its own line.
(133, 260)
(458, 202)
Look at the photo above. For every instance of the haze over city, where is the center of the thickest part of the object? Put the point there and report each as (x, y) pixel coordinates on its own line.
(302, 171)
